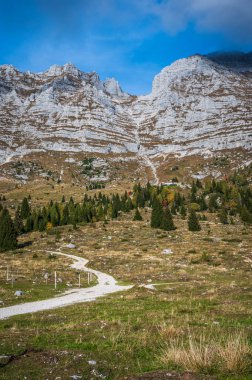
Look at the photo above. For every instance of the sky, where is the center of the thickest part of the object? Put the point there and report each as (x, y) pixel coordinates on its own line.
(130, 40)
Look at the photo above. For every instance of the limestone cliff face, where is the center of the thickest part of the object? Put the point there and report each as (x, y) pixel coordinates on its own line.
(198, 105)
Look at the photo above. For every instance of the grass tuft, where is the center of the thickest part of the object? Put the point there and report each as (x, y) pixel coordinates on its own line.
(209, 355)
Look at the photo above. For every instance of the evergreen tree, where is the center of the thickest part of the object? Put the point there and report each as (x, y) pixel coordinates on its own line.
(29, 224)
(35, 220)
(213, 202)
(55, 215)
(157, 214)
(193, 193)
(193, 223)
(18, 222)
(245, 215)
(129, 205)
(42, 222)
(140, 199)
(167, 221)
(223, 216)
(25, 209)
(183, 211)
(173, 210)
(8, 235)
(137, 215)
(114, 212)
(65, 217)
(202, 203)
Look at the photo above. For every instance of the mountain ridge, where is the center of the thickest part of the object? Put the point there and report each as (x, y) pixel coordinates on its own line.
(197, 107)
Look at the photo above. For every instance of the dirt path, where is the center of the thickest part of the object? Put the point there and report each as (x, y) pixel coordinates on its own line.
(106, 285)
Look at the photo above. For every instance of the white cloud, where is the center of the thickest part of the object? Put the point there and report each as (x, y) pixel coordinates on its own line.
(232, 18)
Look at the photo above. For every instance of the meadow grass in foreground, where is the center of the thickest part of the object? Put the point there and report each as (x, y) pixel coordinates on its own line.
(198, 318)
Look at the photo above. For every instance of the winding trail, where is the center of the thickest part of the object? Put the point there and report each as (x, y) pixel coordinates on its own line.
(106, 285)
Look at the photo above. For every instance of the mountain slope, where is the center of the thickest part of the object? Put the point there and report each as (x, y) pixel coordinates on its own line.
(198, 106)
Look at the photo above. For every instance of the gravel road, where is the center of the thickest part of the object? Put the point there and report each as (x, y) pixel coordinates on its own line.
(106, 285)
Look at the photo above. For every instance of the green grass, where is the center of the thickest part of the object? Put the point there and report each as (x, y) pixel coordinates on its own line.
(203, 288)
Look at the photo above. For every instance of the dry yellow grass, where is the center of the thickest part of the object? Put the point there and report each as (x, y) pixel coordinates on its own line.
(204, 354)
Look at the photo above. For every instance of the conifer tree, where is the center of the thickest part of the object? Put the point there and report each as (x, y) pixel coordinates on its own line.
(137, 215)
(173, 210)
(42, 223)
(8, 235)
(114, 212)
(223, 216)
(213, 202)
(193, 193)
(29, 224)
(183, 211)
(157, 214)
(245, 215)
(193, 223)
(65, 216)
(25, 209)
(202, 203)
(18, 222)
(167, 221)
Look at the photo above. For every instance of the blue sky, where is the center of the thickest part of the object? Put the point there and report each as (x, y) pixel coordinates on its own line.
(131, 40)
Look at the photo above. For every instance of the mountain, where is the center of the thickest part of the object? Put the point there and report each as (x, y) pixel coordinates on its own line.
(200, 107)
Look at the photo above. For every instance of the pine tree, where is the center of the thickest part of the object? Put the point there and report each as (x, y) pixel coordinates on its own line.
(8, 235)
(25, 209)
(193, 223)
(202, 203)
(18, 222)
(157, 214)
(29, 224)
(55, 215)
(173, 210)
(167, 221)
(213, 203)
(114, 212)
(245, 215)
(137, 215)
(193, 193)
(223, 216)
(183, 212)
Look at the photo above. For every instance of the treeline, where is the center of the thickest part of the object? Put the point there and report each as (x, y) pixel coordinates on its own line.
(27, 218)
(228, 198)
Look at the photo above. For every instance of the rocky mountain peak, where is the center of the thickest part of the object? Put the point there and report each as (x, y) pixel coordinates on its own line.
(112, 87)
(57, 70)
(198, 106)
